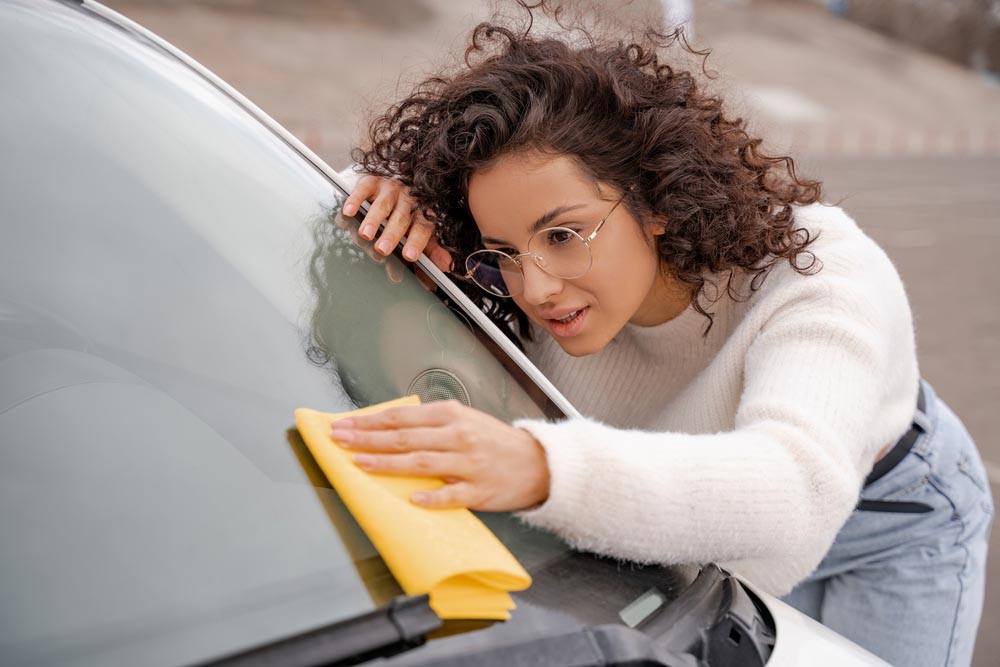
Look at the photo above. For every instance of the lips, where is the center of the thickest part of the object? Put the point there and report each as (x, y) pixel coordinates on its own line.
(566, 322)
(560, 314)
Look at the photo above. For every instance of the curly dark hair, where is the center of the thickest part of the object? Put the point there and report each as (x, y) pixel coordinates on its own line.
(630, 120)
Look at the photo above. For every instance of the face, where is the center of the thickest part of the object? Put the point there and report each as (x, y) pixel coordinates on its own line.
(625, 283)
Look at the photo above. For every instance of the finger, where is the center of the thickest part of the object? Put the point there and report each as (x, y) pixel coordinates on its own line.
(437, 413)
(342, 222)
(377, 212)
(417, 238)
(394, 270)
(397, 225)
(458, 494)
(391, 441)
(438, 255)
(365, 188)
(418, 464)
(370, 251)
(356, 239)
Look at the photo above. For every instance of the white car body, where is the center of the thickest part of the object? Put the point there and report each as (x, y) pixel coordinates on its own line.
(803, 641)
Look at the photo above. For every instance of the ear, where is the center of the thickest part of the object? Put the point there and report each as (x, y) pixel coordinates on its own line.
(657, 226)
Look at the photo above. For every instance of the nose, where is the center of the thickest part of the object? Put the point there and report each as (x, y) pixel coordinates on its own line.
(539, 286)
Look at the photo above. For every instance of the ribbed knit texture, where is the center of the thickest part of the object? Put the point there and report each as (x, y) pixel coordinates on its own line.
(747, 447)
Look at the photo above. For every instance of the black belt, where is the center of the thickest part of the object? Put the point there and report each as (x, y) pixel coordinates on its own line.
(890, 461)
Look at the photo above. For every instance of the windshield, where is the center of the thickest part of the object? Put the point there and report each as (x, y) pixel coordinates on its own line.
(174, 281)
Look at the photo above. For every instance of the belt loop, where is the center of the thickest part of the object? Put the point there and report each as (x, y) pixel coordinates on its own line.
(920, 418)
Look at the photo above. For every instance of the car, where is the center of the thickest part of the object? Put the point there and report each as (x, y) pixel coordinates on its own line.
(176, 278)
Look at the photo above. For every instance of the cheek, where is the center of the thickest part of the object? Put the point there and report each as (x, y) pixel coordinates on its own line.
(629, 268)
(520, 304)
(526, 308)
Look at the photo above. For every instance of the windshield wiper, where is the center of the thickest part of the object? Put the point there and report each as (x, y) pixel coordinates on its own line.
(398, 626)
(714, 623)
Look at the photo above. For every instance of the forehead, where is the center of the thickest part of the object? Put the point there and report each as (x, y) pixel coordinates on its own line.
(518, 189)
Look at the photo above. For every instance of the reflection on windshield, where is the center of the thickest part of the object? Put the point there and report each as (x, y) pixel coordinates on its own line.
(350, 295)
(386, 335)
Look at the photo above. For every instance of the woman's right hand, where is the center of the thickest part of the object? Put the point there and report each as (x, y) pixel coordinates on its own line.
(391, 201)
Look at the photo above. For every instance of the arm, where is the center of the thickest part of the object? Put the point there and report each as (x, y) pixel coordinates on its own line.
(779, 485)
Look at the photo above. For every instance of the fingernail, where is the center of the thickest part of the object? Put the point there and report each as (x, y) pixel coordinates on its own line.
(364, 460)
(383, 247)
(410, 254)
(366, 232)
(343, 423)
(350, 209)
(420, 498)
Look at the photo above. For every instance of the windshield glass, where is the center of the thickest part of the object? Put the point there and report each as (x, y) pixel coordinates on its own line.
(174, 281)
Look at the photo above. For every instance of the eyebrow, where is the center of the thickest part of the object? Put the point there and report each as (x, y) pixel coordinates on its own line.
(541, 222)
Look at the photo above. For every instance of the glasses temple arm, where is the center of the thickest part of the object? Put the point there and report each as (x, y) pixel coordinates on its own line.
(593, 234)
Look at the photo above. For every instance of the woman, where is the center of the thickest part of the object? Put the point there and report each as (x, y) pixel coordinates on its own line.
(745, 354)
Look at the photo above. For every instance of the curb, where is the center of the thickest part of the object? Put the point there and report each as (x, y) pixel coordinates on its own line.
(834, 141)
(878, 142)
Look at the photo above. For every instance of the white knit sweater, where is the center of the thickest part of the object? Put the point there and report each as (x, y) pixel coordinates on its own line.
(747, 447)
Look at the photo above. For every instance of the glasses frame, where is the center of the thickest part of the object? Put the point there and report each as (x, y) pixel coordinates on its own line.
(536, 257)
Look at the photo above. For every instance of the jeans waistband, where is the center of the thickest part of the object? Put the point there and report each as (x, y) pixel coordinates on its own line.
(892, 459)
(902, 446)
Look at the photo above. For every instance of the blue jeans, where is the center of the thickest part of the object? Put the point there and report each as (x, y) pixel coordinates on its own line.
(906, 586)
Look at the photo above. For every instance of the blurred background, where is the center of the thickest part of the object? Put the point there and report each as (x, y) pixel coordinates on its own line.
(894, 104)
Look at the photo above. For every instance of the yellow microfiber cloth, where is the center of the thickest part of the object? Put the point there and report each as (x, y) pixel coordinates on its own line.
(447, 553)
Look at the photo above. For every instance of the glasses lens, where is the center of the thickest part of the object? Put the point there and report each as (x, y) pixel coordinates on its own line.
(495, 272)
(560, 252)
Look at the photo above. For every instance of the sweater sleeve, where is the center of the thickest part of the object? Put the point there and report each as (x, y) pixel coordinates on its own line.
(774, 490)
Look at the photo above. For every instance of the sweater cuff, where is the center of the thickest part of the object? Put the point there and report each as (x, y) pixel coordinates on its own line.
(568, 480)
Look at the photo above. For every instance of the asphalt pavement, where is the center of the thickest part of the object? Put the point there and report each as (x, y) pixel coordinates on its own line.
(908, 142)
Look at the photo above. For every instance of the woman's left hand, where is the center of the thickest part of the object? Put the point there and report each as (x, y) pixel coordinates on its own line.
(486, 463)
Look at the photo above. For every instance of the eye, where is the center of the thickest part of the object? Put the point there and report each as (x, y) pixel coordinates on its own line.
(559, 236)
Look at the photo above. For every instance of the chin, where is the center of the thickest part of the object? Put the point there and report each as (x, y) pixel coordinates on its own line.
(580, 347)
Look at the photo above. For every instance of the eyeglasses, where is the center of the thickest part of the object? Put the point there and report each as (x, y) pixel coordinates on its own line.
(558, 251)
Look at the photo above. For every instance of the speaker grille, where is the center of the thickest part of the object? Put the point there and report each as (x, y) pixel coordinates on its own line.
(437, 384)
